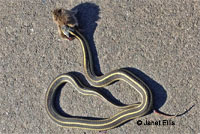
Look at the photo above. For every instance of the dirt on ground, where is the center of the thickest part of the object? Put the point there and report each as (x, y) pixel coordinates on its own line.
(158, 40)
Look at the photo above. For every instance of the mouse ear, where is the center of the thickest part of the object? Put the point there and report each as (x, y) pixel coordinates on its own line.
(59, 10)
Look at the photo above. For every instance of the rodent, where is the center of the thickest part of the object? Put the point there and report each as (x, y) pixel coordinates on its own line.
(63, 17)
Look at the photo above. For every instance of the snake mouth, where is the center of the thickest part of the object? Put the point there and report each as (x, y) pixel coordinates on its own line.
(66, 31)
(70, 37)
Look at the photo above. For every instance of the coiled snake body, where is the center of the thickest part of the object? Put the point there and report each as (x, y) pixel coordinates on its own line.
(129, 111)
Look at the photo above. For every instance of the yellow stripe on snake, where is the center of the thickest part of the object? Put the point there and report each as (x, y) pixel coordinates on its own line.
(128, 111)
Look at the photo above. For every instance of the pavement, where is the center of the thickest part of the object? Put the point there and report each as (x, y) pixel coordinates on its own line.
(157, 40)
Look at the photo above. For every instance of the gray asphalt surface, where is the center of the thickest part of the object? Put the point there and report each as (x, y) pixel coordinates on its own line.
(158, 40)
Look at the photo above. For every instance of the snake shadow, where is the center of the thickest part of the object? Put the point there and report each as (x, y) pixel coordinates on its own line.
(80, 76)
(88, 15)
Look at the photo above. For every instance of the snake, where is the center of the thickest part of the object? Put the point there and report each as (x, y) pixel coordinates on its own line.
(127, 113)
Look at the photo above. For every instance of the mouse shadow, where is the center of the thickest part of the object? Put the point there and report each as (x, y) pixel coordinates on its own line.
(88, 15)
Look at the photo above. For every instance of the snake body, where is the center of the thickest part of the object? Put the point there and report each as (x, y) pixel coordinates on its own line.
(129, 111)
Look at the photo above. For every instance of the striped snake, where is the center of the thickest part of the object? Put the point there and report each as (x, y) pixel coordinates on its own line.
(128, 112)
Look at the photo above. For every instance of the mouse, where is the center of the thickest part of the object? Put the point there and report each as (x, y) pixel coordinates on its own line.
(65, 19)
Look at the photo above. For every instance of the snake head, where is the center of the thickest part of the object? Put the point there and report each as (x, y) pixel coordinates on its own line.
(66, 30)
